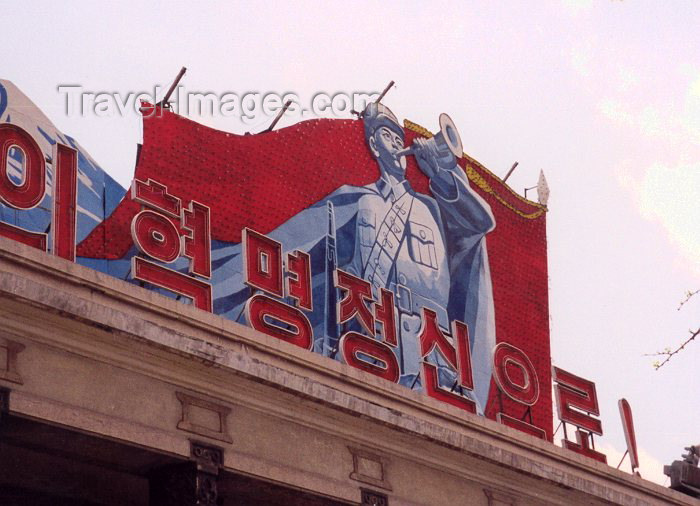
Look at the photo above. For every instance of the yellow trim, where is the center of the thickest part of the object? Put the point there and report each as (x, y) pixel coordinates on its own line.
(479, 181)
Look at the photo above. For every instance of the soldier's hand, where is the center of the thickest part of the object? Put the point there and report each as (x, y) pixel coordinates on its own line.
(425, 158)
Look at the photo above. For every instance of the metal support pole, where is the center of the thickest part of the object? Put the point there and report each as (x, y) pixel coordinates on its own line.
(165, 102)
(623, 458)
(531, 188)
(279, 116)
(510, 172)
(386, 90)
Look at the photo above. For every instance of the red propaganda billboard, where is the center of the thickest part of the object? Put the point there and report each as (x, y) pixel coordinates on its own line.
(369, 241)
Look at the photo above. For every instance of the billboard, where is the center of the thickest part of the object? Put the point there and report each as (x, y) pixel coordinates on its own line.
(368, 241)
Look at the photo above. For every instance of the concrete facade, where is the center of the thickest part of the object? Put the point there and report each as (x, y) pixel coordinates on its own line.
(131, 371)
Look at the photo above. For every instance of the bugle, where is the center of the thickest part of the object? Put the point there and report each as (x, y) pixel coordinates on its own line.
(447, 138)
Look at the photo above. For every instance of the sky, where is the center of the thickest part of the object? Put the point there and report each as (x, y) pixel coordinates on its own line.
(603, 96)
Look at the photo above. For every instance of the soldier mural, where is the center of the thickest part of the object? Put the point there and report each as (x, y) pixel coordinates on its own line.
(430, 252)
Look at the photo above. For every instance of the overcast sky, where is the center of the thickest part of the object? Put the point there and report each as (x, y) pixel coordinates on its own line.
(603, 96)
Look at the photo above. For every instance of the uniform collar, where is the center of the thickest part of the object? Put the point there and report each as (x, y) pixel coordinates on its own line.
(385, 188)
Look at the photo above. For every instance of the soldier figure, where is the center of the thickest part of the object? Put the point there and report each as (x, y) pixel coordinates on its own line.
(430, 251)
(406, 242)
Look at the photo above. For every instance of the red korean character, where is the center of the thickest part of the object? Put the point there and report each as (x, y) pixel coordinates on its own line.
(155, 234)
(572, 392)
(263, 270)
(576, 401)
(459, 359)
(358, 294)
(32, 190)
(516, 377)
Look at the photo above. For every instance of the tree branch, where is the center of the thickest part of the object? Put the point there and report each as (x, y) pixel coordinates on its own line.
(668, 353)
(688, 296)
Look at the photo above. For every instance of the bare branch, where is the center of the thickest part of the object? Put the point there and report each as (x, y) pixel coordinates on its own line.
(688, 296)
(668, 353)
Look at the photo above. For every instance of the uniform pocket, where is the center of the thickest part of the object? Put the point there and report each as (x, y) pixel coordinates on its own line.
(421, 244)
